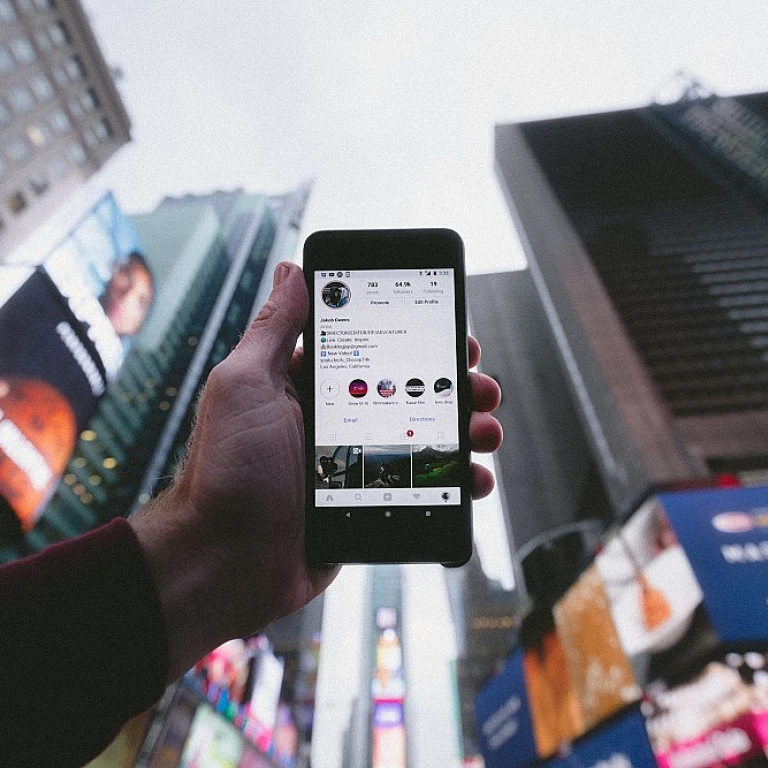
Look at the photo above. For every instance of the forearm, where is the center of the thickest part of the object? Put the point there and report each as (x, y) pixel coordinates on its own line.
(82, 647)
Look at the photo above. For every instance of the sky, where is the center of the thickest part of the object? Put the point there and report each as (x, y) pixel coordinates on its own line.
(390, 107)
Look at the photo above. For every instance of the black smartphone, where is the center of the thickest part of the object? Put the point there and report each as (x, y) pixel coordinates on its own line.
(387, 399)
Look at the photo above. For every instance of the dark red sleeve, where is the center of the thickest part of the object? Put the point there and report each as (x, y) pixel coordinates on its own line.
(82, 647)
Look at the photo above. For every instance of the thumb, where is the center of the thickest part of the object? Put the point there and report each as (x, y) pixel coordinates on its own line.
(273, 333)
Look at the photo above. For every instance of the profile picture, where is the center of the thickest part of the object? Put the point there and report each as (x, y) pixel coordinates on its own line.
(386, 388)
(414, 387)
(443, 387)
(358, 388)
(336, 294)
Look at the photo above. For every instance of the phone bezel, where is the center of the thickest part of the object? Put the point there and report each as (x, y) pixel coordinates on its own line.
(366, 534)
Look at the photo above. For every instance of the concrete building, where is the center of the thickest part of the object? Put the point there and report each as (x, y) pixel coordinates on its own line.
(485, 619)
(208, 255)
(646, 232)
(61, 116)
(551, 490)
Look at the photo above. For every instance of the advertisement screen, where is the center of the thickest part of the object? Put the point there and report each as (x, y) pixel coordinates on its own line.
(388, 735)
(620, 743)
(601, 674)
(504, 719)
(212, 742)
(554, 704)
(724, 533)
(655, 597)
(387, 424)
(719, 718)
(388, 681)
(64, 329)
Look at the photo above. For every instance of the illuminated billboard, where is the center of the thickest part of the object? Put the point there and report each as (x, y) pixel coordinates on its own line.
(65, 327)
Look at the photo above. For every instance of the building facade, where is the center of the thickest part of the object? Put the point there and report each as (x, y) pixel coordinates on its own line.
(61, 116)
(208, 255)
(646, 232)
(485, 618)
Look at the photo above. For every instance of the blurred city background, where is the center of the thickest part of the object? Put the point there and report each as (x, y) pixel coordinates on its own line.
(607, 167)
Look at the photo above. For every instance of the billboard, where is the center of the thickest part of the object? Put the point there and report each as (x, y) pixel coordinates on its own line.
(599, 669)
(619, 743)
(724, 533)
(654, 596)
(718, 718)
(504, 719)
(65, 326)
(388, 735)
(242, 680)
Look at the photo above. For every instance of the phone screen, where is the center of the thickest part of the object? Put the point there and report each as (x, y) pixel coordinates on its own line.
(387, 420)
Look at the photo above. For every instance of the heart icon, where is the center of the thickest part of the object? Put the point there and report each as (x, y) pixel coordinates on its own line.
(416, 495)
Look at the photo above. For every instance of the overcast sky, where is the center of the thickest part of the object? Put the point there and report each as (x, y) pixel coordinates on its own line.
(390, 106)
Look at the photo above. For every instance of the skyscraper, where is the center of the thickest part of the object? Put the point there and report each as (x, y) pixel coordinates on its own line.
(550, 487)
(208, 255)
(61, 116)
(646, 232)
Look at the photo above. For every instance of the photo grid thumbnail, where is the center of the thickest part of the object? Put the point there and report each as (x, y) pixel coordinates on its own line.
(338, 467)
(386, 466)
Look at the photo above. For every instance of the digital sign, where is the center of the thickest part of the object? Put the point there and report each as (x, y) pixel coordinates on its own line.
(504, 720)
(724, 533)
(64, 330)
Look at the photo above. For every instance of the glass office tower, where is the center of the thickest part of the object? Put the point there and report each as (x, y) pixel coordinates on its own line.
(212, 257)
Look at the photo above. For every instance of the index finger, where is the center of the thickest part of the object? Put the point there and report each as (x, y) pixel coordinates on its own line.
(474, 351)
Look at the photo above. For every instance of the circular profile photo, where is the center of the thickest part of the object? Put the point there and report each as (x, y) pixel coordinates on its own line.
(443, 387)
(386, 387)
(336, 294)
(414, 388)
(358, 388)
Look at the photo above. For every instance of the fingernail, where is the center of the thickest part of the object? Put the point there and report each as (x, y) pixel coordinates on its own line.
(280, 274)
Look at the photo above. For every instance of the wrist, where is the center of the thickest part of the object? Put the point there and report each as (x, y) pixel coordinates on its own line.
(190, 577)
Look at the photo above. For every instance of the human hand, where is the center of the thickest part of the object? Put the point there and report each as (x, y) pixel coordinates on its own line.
(225, 542)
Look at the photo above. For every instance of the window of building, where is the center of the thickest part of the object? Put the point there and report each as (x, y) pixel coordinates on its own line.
(38, 180)
(59, 34)
(75, 107)
(26, 7)
(57, 167)
(103, 129)
(75, 68)
(16, 202)
(18, 149)
(76, 152)
(45, 5)
(21, 99)
(60, 76)
(7, 12)
(42, 40)
(3, 169)
(5, 114)
(90, 100)
(42, 88)
(60, 121)
(22, 49)
(89, 137)
(39, 134)
(6, 62)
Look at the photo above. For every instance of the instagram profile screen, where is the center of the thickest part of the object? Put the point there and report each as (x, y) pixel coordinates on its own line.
(386, 415)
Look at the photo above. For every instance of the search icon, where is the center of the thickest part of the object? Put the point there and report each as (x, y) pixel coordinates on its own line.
(358, 497)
